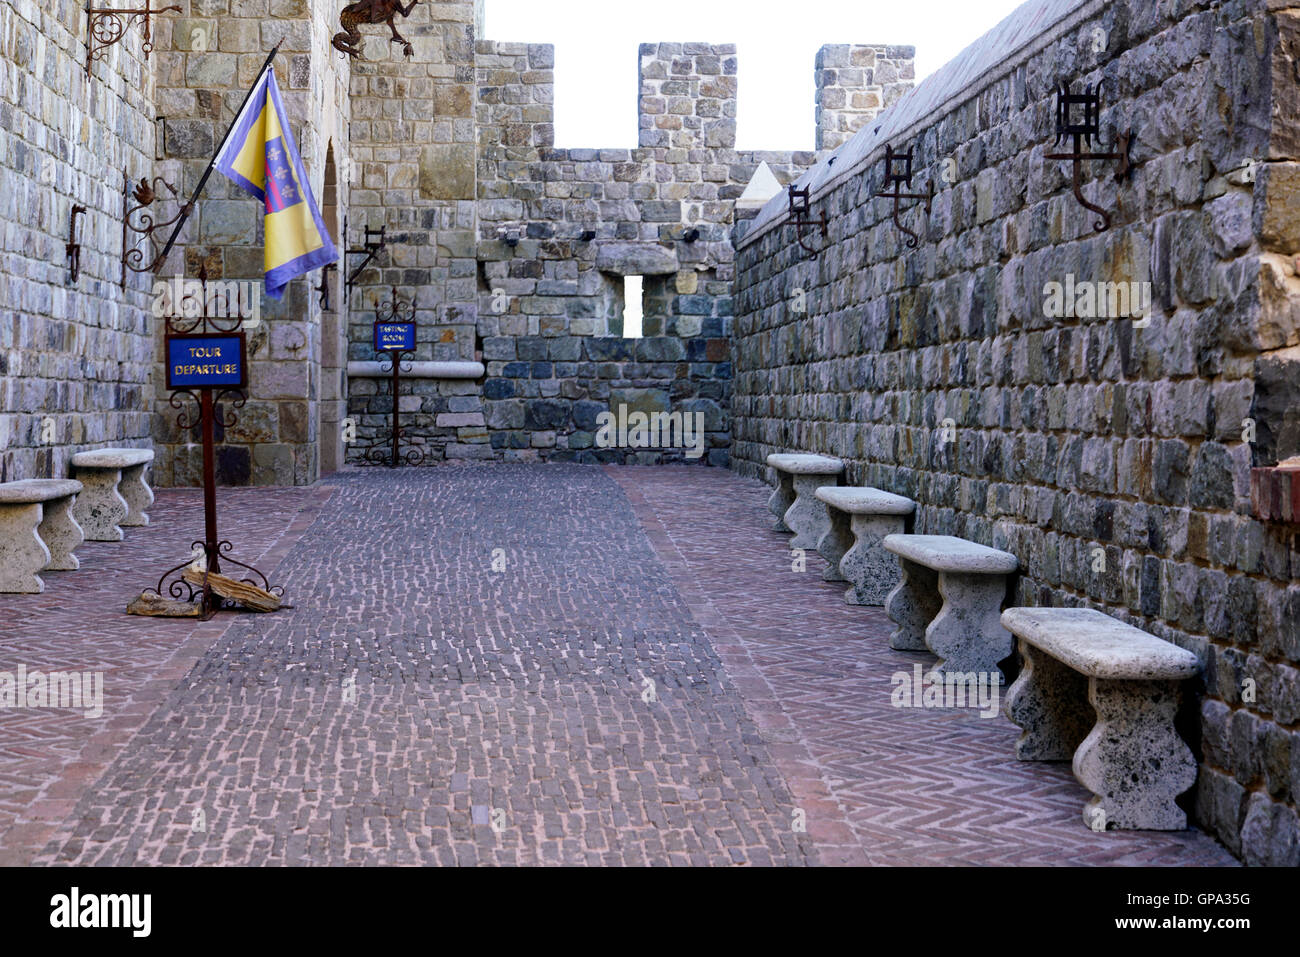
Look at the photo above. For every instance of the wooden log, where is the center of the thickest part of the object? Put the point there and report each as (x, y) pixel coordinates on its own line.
(250, 596)
(155, 606)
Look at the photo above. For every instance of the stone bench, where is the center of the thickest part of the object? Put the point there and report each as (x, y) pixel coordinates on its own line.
(1104, 694)
(794, 501)
(115, 494)
(37, 532)
(950, 600)
(860, 518)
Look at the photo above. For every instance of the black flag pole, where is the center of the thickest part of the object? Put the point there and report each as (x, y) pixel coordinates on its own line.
(203, 180)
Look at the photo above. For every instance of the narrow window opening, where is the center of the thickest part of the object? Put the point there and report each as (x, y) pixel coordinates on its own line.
(633, 306)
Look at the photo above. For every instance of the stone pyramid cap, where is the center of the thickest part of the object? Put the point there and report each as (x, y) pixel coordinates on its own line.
(763, 185)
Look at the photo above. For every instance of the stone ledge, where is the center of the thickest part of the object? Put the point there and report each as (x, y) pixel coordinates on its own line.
(417, 370)
(1275, 493)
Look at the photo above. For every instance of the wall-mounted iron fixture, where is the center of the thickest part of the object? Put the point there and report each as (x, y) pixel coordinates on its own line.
(512, 239)
(371, 11)
(324, 287)
(691, 235)
(898, 174)
(587, 235)
(145, 193)
(73, 248)
(371, 246)
(801, 216)
(108, 25)
(1082, 131)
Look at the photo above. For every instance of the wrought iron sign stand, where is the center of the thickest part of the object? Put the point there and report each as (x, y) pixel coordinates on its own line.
(898, 175)
(106, 26)
(1082, 132)
(801, 216)
(395, 342)
(207, 355)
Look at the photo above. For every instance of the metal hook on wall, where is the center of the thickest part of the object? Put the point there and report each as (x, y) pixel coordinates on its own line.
(73, 248)
(801, 216)
(898, 175)
(1082, 131)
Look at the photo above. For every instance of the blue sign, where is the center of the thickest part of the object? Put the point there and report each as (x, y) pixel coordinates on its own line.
(206, 361)
(394, 336)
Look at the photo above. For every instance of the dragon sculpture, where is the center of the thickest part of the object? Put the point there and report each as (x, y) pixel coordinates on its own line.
(371, 11)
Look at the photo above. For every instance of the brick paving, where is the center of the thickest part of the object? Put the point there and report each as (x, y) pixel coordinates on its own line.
(49, 757)
(910, 786)
(521, 664)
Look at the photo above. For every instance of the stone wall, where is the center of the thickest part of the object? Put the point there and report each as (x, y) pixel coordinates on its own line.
(1112, 454)
(854, 83)
(207, 59)
(555, 234)
(74, 356)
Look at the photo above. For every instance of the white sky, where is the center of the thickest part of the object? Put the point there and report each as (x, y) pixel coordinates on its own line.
(596, 53)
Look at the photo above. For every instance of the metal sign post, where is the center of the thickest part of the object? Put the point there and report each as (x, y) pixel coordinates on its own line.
(207, 360)
(395, 342)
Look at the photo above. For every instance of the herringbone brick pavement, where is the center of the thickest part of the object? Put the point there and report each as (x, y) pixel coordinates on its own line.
(911, 786)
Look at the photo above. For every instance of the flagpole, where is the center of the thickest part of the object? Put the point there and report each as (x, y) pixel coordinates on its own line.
(203, 180)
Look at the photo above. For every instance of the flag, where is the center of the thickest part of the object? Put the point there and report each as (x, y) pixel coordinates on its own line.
(260, 157)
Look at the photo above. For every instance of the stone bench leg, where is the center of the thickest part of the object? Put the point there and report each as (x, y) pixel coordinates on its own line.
(100, 509)
(1048, 701)
(873, 571)
(967, 634)
(808, 517)
(911, 605)
(137, 494)
(834, 544)
(1133, 759)
(781, 500)
(22, 553)
(61, 534)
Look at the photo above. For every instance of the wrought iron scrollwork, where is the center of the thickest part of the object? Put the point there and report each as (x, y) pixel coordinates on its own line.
(108, 26)
(144, 194)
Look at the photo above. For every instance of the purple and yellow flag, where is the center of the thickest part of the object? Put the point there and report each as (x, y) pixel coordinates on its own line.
(261, 158)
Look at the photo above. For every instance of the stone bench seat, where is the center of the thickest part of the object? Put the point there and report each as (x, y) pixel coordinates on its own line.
(37, 532)
(116, 492)
(793, 500)
(949, 600)
(1103, 694)
(860, 518)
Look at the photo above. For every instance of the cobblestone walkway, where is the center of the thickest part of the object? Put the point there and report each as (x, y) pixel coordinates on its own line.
(564, 664)
(419, 707)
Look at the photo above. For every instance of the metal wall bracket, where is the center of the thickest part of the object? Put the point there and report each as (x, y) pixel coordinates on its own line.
(801, 216)
(898, 175)
(1082, 130)
(371, 246)
(73, 248)
(324, 287)
(144, 194)
(108, 25)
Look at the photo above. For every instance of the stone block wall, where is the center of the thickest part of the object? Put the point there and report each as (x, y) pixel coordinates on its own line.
(854, 83)
(207, 58)
(1111, 453)
(555, 234)
(413, 141)
(75, 357)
